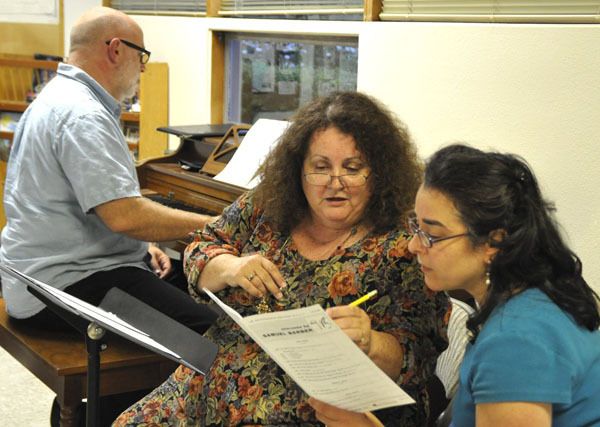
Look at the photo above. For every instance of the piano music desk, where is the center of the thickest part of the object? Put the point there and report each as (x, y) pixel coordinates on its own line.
(193, 190)
(59, 360)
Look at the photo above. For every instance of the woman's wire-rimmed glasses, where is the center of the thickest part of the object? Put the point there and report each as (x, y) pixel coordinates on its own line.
(347, 180)
(424, 237)
(144, 54)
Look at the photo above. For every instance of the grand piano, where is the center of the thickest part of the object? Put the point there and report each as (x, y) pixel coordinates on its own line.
(184, 179)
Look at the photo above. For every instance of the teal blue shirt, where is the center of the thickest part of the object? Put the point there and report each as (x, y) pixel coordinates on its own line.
(529, 350)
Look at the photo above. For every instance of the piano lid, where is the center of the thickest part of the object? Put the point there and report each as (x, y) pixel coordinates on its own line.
(197, 131)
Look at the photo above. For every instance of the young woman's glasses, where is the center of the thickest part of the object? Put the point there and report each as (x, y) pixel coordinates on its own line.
(424, 237)
(348, 180)
(144, 54)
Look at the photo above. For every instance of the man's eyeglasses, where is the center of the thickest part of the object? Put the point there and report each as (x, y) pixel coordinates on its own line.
(424, 237)
(347, 180)
(144, 54)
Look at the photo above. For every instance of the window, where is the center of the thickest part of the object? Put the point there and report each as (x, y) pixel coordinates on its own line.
(162, 6)
(280, 9)
(270, 77)
(294, 9)
(561, 11)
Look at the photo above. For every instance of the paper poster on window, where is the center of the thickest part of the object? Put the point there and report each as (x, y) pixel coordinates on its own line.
(287, 88)
(326, 87)
(329, 62)
(288, 68)
(29, 11)
(347, 69)
(263, 68)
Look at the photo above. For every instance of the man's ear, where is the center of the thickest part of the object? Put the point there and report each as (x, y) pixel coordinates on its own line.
(113, 50)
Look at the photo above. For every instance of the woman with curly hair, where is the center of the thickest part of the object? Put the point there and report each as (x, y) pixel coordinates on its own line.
(323, 227)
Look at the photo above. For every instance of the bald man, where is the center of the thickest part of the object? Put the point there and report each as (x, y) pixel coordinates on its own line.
(75, 216)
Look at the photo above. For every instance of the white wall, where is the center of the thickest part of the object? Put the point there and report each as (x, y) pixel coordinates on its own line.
(72, 9)
(529, 89)
(183, 43)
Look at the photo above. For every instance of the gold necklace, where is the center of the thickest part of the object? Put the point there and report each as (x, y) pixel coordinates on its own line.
(263, 305)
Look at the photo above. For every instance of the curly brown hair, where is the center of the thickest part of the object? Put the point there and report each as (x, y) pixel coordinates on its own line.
(384, 141)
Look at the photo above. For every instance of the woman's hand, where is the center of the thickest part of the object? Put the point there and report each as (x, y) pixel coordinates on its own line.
(159, 261)
(381, 347)
(257, 275)
(355, 323)
(254, 273)
(336, 417)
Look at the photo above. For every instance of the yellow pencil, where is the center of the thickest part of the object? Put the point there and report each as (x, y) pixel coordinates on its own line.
(363, 298)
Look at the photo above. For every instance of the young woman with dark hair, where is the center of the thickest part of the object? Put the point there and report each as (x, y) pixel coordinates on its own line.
(535, 353)
(481, 224)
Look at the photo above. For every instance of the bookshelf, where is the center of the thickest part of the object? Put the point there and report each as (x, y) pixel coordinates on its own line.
(17, 75)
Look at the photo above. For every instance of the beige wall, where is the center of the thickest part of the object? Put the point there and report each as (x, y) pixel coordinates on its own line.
(184, 44)
(529, 89)
(72, 10)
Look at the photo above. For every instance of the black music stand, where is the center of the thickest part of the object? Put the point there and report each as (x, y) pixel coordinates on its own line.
(149, 328)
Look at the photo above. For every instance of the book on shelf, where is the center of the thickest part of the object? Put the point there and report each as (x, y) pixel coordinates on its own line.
(41, 76)
(9, 120)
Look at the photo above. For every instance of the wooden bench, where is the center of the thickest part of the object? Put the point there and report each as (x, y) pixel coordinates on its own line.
(59, 360)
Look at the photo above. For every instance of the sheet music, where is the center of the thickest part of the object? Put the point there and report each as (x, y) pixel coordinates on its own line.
(91, 311)
(254, 147)
(320, 358)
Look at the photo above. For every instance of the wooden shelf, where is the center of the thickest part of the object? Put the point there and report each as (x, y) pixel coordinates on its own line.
(128, 116)
(14, 106)
(4, 134)
(19, 107)
(28, 63)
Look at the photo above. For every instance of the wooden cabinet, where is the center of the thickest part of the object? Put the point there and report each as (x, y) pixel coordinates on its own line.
(154, 103)
(154, 106)
(17, 76)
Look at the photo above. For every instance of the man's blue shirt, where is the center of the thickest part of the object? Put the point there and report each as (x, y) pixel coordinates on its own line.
(68, 156)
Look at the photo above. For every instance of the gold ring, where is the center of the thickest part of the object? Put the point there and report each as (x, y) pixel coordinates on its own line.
(363, 340)
(250, 277)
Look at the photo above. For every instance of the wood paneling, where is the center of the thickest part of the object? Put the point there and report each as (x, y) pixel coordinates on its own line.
(217, 81)
(154, 103)
(372, 9)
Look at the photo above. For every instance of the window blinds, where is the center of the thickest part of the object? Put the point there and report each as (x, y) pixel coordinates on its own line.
(290, 7)
(245, 7)
(535, 11)
(161, 6)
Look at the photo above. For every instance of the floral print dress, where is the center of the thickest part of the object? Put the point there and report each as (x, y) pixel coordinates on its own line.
(244, 386)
